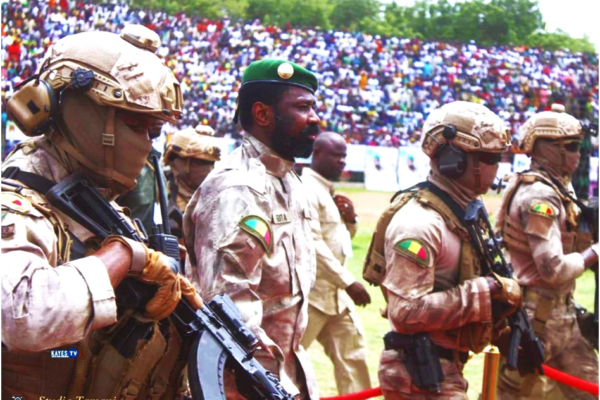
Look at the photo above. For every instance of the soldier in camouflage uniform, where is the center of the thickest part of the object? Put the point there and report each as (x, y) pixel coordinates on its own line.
(548, 248)
(432, 279)
(191, 154)
(58, 279)
(247, 228)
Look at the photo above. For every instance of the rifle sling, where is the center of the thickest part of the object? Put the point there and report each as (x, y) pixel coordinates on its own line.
(42, 185)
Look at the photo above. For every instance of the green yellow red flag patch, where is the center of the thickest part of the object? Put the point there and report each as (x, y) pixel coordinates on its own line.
(260, 229)
(413, 249)
(543, 209)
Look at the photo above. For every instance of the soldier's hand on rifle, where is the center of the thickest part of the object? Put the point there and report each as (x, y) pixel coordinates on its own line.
(507, 292)
(153, 267)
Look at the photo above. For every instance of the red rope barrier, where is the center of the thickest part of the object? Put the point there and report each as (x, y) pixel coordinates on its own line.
(364, 395)
(550, 372)
(571, 380)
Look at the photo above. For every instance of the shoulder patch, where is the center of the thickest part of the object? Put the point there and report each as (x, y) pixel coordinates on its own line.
(15, 202)
(260, 229)
(543, 209)
(413, 249)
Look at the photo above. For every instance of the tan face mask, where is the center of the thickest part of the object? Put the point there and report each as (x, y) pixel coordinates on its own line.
(554, 157)
(85, 125)
(191, 173)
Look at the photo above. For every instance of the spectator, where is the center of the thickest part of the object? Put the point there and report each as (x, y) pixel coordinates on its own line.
(375, 90)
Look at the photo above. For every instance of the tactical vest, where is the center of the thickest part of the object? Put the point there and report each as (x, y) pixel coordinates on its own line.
(513, 233)
(135, 358)
(475, 336)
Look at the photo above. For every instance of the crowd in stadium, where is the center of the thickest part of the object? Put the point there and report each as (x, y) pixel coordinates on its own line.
(375, 90)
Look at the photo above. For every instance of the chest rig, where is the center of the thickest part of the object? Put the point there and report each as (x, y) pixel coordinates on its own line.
(135, 358)
(475, 336)
(429, 196)
(512, 231)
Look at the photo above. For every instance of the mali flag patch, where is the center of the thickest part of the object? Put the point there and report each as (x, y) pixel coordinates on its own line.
(260, 229)
(413, 249)
(543, 209)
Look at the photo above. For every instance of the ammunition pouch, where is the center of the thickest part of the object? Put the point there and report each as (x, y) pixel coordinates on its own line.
(476, 336)
(545, 300)
(374, 266)
(421, 358)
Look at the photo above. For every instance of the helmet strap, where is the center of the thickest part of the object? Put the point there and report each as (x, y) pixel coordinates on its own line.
(563, 154)
(108, 143)
(477, 172)
(56, 138)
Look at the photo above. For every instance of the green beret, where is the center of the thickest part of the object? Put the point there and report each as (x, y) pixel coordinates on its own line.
(280, 71)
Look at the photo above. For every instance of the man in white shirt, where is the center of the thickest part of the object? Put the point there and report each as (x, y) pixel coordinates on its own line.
(331, 317)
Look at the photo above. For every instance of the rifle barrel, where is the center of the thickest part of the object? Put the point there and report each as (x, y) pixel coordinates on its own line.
(162, 195)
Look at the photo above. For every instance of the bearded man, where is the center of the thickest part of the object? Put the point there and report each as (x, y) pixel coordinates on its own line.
(247, 228)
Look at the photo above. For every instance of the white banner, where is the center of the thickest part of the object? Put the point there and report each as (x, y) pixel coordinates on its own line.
(504, 168)
(413, 166)
(521, 163)
(356, 156)
(381, 169)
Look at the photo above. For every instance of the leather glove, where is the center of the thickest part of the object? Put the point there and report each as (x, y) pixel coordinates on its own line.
(171, 286)
(154, 267)
(508, 294)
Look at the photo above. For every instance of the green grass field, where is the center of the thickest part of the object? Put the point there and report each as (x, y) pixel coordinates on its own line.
(375, 326)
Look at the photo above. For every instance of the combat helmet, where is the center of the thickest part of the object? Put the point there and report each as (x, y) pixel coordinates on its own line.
(555, 124)
(114, 70)
(468, 126)
(196, 143)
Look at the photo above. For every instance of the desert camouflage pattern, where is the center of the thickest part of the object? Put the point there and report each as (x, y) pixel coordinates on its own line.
(546, 257)
(196, 142)
(126, 75)
(543, 253)
(269, 280)
(332, 319)
(478, 129)
(38, 313)
(555, 124)
(426, 296)
(566, 350)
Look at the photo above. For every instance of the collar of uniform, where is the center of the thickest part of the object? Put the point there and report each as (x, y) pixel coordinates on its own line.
(327, 184)
(550, 173)
(274, 164)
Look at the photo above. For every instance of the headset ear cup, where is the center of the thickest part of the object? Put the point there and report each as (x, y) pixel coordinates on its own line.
(451, 161)
(32, 106)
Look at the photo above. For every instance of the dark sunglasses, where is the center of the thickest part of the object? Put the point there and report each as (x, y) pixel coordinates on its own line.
(573, 146)
(490, 158)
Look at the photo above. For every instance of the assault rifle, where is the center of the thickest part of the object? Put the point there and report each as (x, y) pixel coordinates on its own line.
(217, 333)
(521, 332)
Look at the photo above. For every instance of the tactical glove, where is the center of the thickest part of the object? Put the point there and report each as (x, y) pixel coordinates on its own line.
(507, 297)
(154, 267)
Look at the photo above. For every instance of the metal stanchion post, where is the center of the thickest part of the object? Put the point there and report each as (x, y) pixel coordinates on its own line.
(490, 373)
